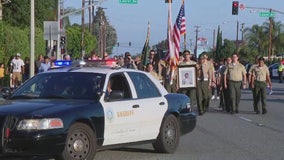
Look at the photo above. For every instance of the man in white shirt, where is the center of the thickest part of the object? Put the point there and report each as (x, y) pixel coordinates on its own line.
(17, 66)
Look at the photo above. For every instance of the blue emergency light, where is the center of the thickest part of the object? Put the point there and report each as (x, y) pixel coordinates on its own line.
(62, 63)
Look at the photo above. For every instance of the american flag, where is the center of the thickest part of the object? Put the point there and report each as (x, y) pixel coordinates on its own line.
(179, 29)
(174, 36)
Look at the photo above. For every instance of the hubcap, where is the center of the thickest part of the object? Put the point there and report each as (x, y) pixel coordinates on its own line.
(170, 133)
(78, 145)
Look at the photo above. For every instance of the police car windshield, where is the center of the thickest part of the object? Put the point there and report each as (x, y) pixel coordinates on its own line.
(67, 85)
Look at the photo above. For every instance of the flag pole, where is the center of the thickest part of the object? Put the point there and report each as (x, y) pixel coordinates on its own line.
(184, 40)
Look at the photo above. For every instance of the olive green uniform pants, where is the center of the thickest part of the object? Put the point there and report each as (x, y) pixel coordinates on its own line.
(260, 94)
(235, 94)
(202, 96)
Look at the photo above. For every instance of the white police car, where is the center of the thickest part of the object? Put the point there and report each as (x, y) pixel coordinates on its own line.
(71, 112)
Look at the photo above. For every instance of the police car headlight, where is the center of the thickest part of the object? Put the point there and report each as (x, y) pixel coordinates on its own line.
(40, 124)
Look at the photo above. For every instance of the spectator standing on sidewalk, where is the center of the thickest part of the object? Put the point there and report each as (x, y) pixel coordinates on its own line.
(18, 69)
(45, 65)
(280, 72)
(26, 76)
(2, 75)
(260, 78)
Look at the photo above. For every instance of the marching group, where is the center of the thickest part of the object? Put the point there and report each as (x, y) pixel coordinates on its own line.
(227, 77)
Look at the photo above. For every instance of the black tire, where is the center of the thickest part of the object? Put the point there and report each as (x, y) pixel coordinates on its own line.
(81, 143)
(168, 139)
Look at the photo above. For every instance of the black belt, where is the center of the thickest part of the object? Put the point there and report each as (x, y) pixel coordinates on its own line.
(235, 81)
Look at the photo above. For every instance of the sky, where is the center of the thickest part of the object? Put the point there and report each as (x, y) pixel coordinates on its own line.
(130, 20)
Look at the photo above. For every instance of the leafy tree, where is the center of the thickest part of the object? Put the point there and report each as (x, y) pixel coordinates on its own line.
(218, 52)
(17, 13)
(228, 48)
(74, 36)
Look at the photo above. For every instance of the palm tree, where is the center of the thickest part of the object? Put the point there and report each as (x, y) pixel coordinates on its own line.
(258, 38)
(278, 37)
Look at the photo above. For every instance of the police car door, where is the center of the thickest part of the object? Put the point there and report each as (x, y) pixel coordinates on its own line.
(131, 119)
(150, 103)
(121, 120)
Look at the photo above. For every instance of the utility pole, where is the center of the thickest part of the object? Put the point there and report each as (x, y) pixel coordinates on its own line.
(90, 16)
(270, 37)
(196, 38)
(237, 38)
(242, 32)
(214, 39)
(93, 17)
(32, 38)
(83, 29)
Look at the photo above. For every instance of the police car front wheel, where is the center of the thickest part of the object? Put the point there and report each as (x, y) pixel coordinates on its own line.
(80, 143)
(168, 138)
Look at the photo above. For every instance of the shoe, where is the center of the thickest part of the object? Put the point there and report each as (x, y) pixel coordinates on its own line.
(264, 111)
(213, 97)
(218, 98)
(237, 111)
(200, 113)
(232, 112)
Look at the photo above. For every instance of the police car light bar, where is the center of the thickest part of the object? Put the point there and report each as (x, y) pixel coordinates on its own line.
(102, 63)
(62, 63)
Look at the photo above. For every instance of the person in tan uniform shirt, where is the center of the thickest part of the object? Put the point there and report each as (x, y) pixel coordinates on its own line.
(235, 74)
(212, 75)
(260, 78)
(203, 84)
(190, 92)
(250, 81)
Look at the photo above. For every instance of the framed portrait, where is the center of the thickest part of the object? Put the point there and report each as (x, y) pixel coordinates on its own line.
(187, 76)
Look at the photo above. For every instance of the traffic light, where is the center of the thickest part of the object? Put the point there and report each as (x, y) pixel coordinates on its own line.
(62, 40)
(235, 8)
(62, 51)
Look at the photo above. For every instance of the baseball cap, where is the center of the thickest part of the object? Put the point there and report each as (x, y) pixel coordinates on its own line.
(127, 54)
(18, 54)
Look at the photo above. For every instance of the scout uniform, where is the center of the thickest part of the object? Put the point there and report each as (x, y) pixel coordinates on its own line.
(191, 92)
(203, 83)
(235, 73)
(259, 80)
(253, 90)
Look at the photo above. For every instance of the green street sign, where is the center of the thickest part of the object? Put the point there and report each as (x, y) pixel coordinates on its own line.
(128, 1)
(266, 14)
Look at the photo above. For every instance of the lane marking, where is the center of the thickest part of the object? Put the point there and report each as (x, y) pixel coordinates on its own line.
(246, 119)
